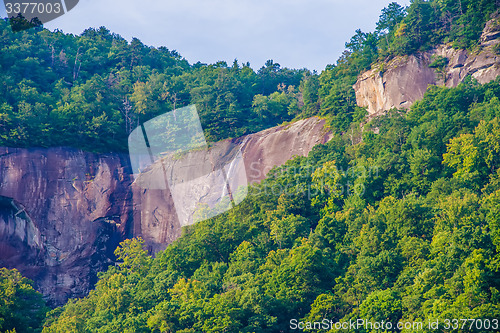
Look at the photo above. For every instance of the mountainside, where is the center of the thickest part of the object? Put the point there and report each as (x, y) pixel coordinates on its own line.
(90, 91)
(402, 226)
(404, 79)
(64, 211)
(77, 204)
(392, 219)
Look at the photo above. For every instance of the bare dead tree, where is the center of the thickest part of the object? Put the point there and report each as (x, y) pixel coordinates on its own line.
(126, 111)
(52, 56)
(75, 70)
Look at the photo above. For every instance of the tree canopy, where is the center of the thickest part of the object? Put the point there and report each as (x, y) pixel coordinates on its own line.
(402, 226)
(395, 219)
(90, 91)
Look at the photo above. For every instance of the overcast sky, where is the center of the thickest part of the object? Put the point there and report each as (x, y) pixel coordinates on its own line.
(294, 33)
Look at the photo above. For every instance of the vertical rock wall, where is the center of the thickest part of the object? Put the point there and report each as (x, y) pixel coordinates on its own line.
(64, 211)
(404, 80)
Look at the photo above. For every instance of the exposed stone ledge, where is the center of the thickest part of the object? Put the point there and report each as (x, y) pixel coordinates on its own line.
(404, 80)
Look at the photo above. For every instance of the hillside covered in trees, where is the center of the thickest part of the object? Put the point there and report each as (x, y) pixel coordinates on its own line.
(395, 221)
(90, 91)
(404, 226)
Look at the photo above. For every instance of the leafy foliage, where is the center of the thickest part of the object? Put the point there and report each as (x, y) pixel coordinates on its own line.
(419, 242)
(400, 31)
(90, 91)
(402, 225)
(22, 309)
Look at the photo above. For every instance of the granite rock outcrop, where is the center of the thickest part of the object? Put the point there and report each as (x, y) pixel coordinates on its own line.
(403, 80)
(64, 211)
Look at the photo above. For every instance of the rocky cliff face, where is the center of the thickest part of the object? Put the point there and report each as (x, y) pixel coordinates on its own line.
(404, 80)
(63, 211)
(155, 218)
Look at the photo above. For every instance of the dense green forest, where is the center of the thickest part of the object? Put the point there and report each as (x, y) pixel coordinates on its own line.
(399, 226)
(90, 91)
(402, 226)
(22, 309)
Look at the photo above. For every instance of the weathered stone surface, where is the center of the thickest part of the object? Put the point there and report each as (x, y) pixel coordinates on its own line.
(63, 211)
(156, 220)
(404, 80)
(264, 150)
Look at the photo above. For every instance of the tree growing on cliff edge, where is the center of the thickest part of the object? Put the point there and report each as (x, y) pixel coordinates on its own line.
(390, 18)
(89, 91)
(419, 241)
